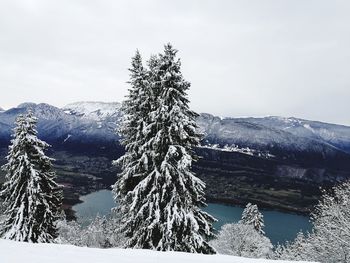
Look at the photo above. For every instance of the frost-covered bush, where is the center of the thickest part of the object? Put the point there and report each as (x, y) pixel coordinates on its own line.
(330, 239)
(99, 233)
(69, 232)
(299, 249)
(242, 240)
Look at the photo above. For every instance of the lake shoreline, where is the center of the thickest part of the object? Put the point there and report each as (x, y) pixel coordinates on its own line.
(279, 226)
(71, 213)
(72, 201)
(261, 206)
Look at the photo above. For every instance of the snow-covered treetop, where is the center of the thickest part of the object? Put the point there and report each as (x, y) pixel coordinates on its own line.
(252, 216)
(25, 131)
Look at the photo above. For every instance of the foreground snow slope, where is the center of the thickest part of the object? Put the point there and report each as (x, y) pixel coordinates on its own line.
(17, 252)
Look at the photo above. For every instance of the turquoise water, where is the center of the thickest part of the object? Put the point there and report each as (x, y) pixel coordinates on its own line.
(99, 202)
(279, 226)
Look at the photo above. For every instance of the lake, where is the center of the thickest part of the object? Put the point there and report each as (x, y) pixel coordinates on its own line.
(279, 226)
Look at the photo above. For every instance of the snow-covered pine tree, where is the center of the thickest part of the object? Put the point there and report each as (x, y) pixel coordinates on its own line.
(252, 216)
(164, 211)
(136, 108)
(134, 163)
(32, 196)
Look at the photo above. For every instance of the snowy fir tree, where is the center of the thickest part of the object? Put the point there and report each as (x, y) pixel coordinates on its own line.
(134, 163)
(252, 216)
(136, 107)
(161, 210)
(31, 194)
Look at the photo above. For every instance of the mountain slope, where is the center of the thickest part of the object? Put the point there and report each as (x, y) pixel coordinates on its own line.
(59, 127)
(336, 135)
(285, 139)
(261, 134)
(98, 121)
(98, 111)
(274, 162)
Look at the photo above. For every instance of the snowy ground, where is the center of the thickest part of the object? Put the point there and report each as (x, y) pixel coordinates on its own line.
(17, 252)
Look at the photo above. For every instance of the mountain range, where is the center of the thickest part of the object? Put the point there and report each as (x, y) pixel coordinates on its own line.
(97, 121)
(275, 154)
(79, 122)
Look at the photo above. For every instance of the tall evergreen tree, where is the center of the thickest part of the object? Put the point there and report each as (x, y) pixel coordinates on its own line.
(33, 198)
(164, 207)
(134, 163)
(252, 216)
(135, 108)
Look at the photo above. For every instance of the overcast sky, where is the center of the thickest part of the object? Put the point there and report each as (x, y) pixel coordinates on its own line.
(243, 58)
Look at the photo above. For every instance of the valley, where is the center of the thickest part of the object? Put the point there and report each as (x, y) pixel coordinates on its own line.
(277, 163)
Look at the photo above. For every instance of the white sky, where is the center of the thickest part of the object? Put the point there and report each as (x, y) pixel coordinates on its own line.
(243, 58)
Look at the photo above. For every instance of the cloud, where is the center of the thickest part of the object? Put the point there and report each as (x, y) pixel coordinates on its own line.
(243, 58)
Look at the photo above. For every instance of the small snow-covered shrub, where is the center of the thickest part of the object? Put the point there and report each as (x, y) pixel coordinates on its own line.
(299, 249)
(242, 240)
(99, 233)
(69, 232)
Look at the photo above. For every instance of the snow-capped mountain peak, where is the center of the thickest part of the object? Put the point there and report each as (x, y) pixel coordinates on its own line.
(97, 111)
(27, 105)
(43, 111)
(97, 121)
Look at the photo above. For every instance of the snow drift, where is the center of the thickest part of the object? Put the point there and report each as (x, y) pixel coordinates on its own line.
(16, 252)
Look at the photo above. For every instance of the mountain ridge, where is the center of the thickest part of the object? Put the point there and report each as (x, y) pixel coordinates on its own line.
(276, 162)
(99, 120)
